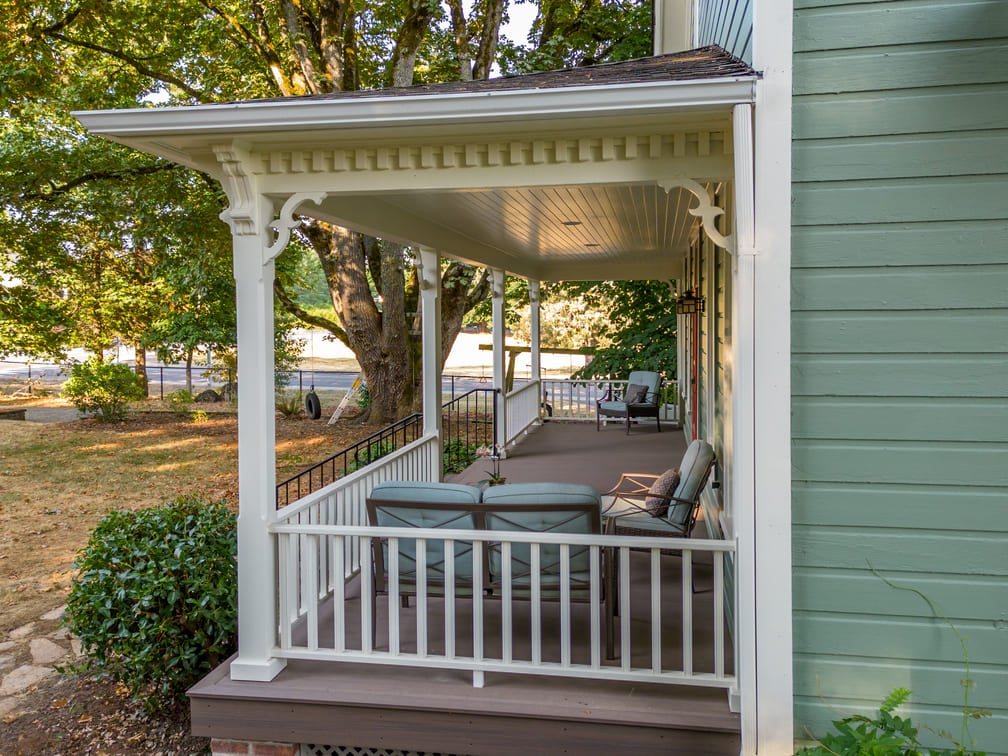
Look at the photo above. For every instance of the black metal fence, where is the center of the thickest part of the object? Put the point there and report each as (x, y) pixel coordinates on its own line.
(467, 422)
(31, 378)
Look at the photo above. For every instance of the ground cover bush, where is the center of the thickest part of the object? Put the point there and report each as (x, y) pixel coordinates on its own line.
(154, 603)
(104, 388)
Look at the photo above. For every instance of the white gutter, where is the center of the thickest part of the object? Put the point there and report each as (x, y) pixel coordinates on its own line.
(413, 110)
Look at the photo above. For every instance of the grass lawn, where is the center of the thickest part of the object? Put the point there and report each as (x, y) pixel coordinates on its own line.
(58, 479)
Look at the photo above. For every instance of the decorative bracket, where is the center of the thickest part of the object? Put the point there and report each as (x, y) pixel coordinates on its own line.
(706, 210)
(286, 221)
(239, 187)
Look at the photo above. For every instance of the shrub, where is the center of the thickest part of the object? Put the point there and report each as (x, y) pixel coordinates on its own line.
(103, 387)
(457, 455)
(288, 405)
(375, 450)
(180, 401)
(154, 602)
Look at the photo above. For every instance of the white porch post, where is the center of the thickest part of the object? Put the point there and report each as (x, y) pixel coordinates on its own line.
(534, 339)
(743, 433)
(257, 581)
(497, 289)
(430, 303)
(772, 54)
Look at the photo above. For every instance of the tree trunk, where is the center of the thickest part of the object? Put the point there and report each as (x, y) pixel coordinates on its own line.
(188, 370)
(141, 366)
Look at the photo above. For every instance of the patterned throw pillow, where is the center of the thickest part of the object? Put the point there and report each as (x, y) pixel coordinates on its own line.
(657, 502)
(635, 394)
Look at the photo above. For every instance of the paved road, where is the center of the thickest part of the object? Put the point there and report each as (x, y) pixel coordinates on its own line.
(167, 378)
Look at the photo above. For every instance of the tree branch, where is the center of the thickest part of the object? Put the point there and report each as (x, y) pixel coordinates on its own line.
(127, 173)
(129, 60)
(291, 305)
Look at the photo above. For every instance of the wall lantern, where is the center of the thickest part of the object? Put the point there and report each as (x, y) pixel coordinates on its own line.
(689, 303)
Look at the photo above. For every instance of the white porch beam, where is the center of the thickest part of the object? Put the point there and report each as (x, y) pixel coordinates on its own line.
(497, 278)
(257, 580)
(535, 345)
(430, 304)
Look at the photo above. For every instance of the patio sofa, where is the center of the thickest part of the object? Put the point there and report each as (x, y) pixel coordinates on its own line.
(530, 507)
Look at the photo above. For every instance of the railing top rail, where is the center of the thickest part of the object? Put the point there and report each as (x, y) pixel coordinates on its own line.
(573, 539)
(350, 479)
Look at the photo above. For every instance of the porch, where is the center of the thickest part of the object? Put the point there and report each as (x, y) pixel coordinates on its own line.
(546, 685)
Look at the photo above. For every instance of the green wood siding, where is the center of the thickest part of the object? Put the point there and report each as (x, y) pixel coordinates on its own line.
(900, 359)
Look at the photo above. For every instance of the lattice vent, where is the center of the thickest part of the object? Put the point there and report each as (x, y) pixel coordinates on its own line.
(326, 750)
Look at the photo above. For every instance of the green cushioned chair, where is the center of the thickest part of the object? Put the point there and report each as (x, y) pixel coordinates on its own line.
(641, 398)
(408, 504)
(542, 508)
(635, 507)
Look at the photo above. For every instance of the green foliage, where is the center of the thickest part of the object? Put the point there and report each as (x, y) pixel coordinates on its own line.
(288, 405)
(457, 456)
(180, 401)
(103, 387)
(363, 397)
(199, 417)
(639, 332)
(375, 450)
(568, 33)
(884, 735)
(154, 602)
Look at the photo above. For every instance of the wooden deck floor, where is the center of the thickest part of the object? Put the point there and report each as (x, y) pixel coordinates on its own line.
(577, 453)
(438, 711)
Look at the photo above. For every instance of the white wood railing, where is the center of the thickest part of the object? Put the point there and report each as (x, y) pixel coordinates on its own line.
(522, 407)
(333, 612)
(575, 399)
(340, 503)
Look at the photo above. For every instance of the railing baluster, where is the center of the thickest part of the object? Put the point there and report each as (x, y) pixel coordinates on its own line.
(393, 596)
(367, 600)
(309, 580)
(624, 604)
(719, 671)
(594, 587)
(507, 618)
(536, 601)
(687, 611)
(339, 596)
(565, 607)
(285, 547)
(477, 599)
(449, 597)
(656, 628)
(421, 596)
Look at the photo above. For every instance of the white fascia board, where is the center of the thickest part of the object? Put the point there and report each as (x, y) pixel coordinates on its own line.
(415, 110)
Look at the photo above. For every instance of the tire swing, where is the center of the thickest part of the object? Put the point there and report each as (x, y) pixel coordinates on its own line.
(312, 405)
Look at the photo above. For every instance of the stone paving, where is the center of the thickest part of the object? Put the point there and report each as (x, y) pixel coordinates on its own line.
(30, 654)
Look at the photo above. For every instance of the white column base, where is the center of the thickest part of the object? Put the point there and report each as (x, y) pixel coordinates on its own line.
(257, 671)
